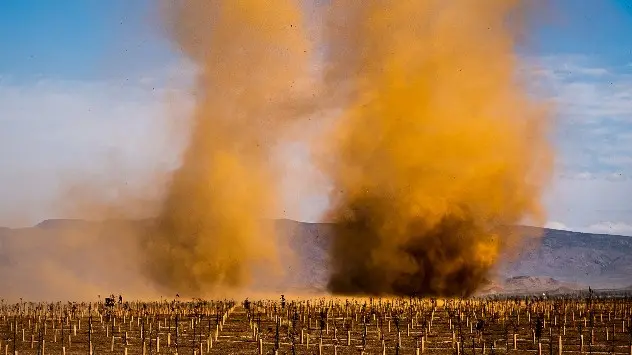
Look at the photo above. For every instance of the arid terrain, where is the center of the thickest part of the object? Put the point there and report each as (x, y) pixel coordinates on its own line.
(322, 326)
(506, 317)
(77, 251)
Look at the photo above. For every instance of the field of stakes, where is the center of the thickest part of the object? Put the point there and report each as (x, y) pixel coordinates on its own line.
(590, 325)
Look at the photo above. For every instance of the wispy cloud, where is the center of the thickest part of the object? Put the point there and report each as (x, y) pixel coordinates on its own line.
(593, 137)
(556, 225)
(608, 227)
(52, 132)
(68, 137)
(594, 107)
(584, 90)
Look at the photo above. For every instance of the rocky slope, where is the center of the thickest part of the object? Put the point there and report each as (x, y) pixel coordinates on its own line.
(58, 257)
(558, 260)
(598, 260)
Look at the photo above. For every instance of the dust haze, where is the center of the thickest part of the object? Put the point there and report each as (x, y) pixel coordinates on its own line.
(439, 147)
(58, 260)
(210, 231)
(436, 151)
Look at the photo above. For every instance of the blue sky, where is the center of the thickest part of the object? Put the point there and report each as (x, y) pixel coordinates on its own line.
(79, 39)
(82, 80)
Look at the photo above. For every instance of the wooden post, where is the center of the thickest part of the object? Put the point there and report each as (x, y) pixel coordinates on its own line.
(559, 345)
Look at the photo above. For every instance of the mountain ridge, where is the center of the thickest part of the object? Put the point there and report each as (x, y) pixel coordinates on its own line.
(105, 252)
(53, 222)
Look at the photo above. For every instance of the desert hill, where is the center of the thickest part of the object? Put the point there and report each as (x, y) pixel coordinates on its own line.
(599, 260)
(61, 256)
(559, 258)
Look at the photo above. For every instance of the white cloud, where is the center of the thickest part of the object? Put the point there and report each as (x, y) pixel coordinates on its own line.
(593, 139)
(583, 199)
(606, 227)
(556, 225)
(616, 160)
(583, 89)
(618, 228)
(113, 135)
(57, 133)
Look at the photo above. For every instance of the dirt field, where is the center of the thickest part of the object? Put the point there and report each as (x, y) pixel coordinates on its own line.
(326, 326)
